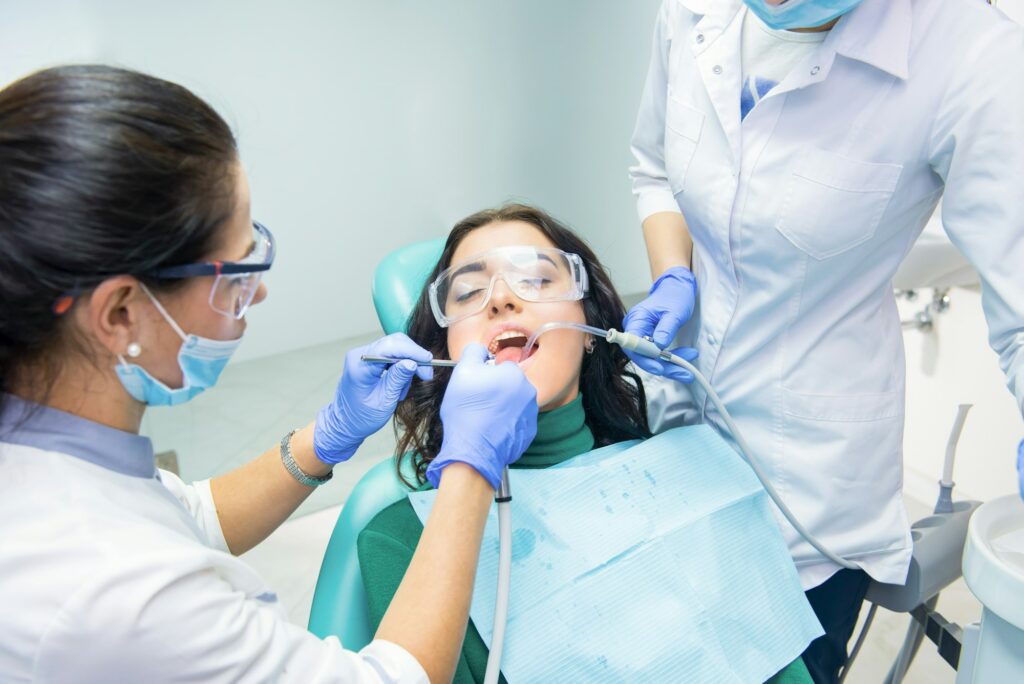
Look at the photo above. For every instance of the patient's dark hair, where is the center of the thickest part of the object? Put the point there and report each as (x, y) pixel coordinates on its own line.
(613, 396)
(103, 172)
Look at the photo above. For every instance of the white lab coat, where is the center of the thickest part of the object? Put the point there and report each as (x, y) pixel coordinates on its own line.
(800, 215)
(114, 577)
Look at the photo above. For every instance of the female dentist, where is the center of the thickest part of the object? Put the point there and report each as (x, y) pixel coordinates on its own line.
(791, 153)
(128, 259)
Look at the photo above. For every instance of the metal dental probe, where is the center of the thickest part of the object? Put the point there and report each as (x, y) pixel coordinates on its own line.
(441, 363)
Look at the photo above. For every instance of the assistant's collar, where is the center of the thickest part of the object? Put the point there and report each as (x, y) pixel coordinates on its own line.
(33, 425)
(700, 6)
(877, 32)
(715, 15)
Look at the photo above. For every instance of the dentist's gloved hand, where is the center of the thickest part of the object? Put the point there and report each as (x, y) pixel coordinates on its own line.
(489, 415)
(667, 307)
(367, 395)
(1020, 468)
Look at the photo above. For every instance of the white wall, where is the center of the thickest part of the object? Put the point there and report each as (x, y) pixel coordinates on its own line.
(1012, 8)
(368, 125)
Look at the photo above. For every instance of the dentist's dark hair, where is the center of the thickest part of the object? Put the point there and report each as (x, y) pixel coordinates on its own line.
(613, 397)
(103, 172)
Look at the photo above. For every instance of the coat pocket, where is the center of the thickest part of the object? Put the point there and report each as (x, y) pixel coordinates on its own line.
(833, 203)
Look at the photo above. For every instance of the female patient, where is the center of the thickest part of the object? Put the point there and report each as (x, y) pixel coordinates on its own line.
(587, 396)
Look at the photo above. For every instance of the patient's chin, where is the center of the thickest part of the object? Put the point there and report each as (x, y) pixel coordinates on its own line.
(551, 392)
(551, 400)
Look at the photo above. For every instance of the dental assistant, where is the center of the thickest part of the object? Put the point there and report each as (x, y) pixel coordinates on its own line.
(788, 154)
(128, 260)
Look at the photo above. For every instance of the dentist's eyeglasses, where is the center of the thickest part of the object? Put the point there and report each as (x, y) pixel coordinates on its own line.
(236, 282)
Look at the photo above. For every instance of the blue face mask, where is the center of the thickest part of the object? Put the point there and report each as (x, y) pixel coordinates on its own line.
(796, 14)
(201, 361)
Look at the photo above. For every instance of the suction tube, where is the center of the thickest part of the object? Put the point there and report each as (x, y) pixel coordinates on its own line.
(555, 325)
(504, 499)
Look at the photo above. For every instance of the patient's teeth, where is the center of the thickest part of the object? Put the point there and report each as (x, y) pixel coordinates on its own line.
(508, 334)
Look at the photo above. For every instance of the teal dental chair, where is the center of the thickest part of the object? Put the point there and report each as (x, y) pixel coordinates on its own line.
(339, 602)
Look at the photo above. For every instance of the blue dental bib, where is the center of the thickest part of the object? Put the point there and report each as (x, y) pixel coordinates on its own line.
(644, 561)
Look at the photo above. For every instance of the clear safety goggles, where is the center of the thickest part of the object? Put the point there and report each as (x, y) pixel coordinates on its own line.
(235, 282)
(534, 274)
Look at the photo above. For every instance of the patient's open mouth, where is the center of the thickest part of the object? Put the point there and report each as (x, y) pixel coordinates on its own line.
(508, 346)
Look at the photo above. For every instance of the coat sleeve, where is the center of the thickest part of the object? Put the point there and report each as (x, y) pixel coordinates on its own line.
(198, 501)
(977, 148)
(168, 615)
(648, 175)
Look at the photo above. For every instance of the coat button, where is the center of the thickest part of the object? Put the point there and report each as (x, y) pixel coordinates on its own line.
(815, 70)
(717, 69)
(700, 38)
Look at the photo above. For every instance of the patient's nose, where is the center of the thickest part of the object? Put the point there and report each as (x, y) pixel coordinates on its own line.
(503, 299)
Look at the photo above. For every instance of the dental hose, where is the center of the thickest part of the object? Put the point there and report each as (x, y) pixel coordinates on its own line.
(503, 497)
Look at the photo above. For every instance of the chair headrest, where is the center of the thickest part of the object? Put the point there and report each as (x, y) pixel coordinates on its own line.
(399, 280)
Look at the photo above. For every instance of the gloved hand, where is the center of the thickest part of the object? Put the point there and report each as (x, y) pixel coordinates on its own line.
(1020, 468)
(367, 395)
(489, 415)
(667, 307)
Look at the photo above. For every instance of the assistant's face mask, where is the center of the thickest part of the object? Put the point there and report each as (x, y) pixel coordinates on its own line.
(201, 361)
(796, 14)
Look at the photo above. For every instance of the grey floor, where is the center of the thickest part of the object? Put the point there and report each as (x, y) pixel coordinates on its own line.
(256, 402)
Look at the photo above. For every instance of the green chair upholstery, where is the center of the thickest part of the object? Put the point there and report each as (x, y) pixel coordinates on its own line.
(339, 602)
(399, 280)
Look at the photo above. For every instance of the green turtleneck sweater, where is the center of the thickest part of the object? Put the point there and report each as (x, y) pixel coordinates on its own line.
(387, 543)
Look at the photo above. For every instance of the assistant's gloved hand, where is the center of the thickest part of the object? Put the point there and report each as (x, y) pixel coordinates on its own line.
(1020, 468)
(667, 307)
(367, 395)
(489, 415)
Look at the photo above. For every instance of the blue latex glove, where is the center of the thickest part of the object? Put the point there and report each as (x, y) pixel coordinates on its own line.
(667, 307)
(367, 396)
(1020, 468)
(489, 415)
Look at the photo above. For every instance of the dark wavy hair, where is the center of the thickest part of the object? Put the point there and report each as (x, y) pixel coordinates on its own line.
(103, 172)
(613, 397)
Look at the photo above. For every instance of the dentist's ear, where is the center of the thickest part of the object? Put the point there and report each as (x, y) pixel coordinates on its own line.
(113, 314)
(590, 344)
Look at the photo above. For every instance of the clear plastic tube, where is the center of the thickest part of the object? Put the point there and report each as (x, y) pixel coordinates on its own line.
(555, 325)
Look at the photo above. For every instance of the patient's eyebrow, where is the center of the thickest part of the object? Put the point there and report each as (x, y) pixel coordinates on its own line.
(472, 267)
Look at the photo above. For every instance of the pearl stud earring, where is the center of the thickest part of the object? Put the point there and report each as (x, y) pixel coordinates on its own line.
(134, 350)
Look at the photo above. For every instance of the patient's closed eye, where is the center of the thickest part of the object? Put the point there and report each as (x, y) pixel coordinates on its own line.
(469, 295)
(535, 283)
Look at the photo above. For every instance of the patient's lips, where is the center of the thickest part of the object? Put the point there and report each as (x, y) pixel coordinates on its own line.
(508, 342)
